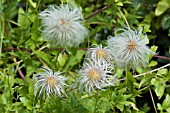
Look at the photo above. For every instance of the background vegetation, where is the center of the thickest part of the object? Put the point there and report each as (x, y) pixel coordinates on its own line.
(23, 52)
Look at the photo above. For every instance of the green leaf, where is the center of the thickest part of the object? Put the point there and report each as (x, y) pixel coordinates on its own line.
(32, 3)
(145, 79)
(3, 99)
(74, 59)
(160, 107)
(23, 90)
(22, 18)
(19, 81)
(103, 105)
(73, 100)
(162, 6)
(153, 81)
(33, 17)
(130, 77)
(119, 4)
(72, 51)
(80, 54)
(62, 58)
(139, 70)
(31, 65)
(120, 107)
(159, 86)
(166, 22)
(27, 103)
(152, 63)
(89, 104)
(35, 32)
(114, 96)
(166, 102)
(127, 103)
(122, 91)
(154, 48)
(71, 62)
(1, 7)
(44, 56)
(162, 71)
(119, 72)
(130, 80)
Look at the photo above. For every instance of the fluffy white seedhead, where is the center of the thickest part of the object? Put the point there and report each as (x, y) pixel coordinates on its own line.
(49, 83)
(99, 53)
(95, 76)
(130, 49)
(62, 26)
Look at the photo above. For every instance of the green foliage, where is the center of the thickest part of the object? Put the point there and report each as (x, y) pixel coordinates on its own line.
(162, 6)
(23, 52)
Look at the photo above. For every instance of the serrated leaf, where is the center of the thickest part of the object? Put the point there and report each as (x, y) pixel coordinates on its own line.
(154, 48)
(159, 90)
(159, 86)
(166, 102)
(123, 90)
(120, 107)
(127, 103)
(159, 107)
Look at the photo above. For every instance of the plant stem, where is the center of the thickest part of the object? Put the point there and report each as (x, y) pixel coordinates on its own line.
(162, 57)
(19, 70)
(2, 33)
(69, 72)
(153, 100)
(135, 76)
(95, 105)
(123, 17)
(98, 11)
(152, 70)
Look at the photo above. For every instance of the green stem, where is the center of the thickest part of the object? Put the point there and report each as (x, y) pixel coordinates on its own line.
(2, 34)
(126, 76)
(123, 17)
(38, 5)
(95, 105)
